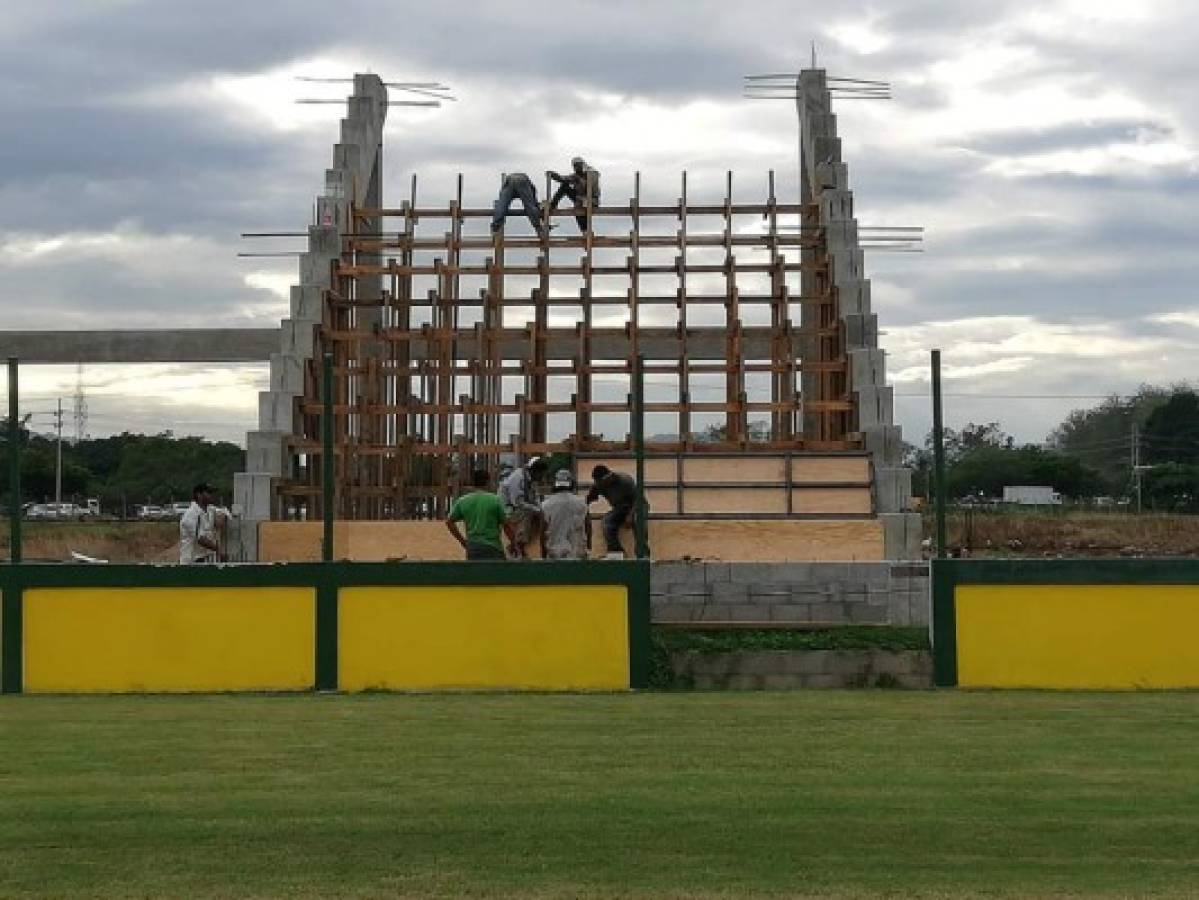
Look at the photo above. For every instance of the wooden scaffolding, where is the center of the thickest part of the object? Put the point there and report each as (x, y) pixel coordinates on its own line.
(453, 348)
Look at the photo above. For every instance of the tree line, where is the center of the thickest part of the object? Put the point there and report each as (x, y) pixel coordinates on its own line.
(123, 470)
(1090, 454)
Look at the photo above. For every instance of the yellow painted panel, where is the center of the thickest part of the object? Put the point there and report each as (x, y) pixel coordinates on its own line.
(537, 637)
(81, 640)
(1078, 636)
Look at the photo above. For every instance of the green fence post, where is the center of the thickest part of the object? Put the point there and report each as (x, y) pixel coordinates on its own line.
(640, 523)
(938, 454)
(327, 462)
(14, 464)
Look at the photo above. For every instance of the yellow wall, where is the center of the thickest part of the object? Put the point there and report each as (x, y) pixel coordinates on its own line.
(543, 637)
(169, 639)
(1077, 636)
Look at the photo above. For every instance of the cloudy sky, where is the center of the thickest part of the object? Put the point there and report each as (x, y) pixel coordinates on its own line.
(1048, 148)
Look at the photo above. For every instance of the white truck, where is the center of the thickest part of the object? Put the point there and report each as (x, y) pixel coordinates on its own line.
(1031, 495)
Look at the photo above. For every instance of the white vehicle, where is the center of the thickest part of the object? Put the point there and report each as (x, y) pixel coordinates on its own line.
(178, 509)
(151, 513)
(1031, 495)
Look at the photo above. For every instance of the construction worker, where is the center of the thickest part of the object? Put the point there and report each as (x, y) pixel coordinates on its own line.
(581, 187)
(567, 531)
(484, 516)
(197, 531)
(620, 490)
(514, 185)
(518, 493)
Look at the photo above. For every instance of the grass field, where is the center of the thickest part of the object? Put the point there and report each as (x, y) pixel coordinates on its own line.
(721, 794)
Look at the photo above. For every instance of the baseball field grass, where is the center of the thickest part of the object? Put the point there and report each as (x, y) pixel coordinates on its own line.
(856, 794)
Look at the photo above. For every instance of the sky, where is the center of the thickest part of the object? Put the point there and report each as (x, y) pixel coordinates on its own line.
(1048, 149)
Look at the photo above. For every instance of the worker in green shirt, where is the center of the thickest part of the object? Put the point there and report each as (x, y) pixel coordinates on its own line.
(484, 516)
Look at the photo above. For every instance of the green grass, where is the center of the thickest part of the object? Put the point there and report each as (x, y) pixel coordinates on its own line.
(844, 794)
(849, 637)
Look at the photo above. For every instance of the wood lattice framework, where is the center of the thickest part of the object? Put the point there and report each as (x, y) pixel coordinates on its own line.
(450, 379)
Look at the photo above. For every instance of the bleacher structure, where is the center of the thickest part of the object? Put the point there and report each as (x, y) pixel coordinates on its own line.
(454, 348)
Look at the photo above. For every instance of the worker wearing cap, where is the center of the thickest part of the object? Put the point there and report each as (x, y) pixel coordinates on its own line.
(567, 531)
(581, 186)
(197, 530)
(518, 493)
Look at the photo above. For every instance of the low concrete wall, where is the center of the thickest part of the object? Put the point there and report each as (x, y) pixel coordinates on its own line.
(833, 593)
(788, 669)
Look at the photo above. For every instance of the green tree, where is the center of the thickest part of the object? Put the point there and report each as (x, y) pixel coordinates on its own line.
(1171, 432)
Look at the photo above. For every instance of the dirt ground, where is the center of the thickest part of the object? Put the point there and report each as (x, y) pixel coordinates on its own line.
(1053, 532)
(113, 541)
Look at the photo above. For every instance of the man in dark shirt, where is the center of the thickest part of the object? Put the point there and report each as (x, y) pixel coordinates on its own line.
(484, 516)
(620, 490)
(581, 186)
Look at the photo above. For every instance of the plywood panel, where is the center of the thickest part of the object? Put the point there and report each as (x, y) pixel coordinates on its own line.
(738, 540)
(740, 469)
(656, 470)
(830, 469)
(661, 500)
(735, 500)
(831, 500)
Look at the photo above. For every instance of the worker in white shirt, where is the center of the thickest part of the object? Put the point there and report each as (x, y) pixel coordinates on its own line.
(518, 493)
(567, 531)
(197, 531)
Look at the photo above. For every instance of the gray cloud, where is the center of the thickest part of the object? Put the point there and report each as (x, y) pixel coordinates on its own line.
(1043, 212)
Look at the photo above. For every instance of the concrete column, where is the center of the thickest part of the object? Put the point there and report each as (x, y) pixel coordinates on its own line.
(355, 179)
(825, 181)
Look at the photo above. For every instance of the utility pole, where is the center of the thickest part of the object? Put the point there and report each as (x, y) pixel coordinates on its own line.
(58, 464)
(1136, 464)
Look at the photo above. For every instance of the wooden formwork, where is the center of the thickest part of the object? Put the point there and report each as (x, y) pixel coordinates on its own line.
(525, 344)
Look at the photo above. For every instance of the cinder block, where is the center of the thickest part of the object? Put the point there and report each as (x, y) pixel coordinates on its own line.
(266, 451)
(829, 573)
(781, 682)
(829, 612)
(276, 412)
(807, 662)
(901, 535)
(253, 496)
(677, 572)
(870, 574)
(892, 489)
(727, 592)
(286, 373)
(715, 572)
(751, 612)
(790, 612)
(825, 681)
(865, 614)
(673, 612)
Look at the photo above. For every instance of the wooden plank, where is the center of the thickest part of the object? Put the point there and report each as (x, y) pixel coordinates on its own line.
(830, 469)
(734, 500)
(743, 469)
(832, 500)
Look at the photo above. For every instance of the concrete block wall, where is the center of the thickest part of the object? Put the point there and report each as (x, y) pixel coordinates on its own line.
(825, 181)
(783, 670)
(833, 593)
(354, 179)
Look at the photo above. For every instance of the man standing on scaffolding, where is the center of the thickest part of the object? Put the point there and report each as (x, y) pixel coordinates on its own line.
(581, 186)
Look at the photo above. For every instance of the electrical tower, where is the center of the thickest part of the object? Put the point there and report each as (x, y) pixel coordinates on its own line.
(80, 405)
